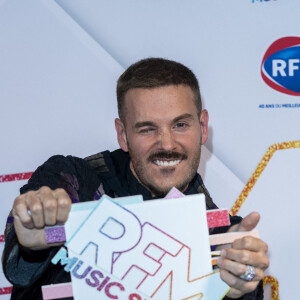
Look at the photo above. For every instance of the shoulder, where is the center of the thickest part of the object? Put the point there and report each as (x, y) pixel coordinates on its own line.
(108, 162)
(72, 173)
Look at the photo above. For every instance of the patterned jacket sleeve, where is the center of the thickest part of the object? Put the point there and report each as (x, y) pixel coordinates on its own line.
(257, 294)
(22, 267)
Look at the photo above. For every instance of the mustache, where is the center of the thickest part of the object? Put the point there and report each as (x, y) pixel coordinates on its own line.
(167, 155)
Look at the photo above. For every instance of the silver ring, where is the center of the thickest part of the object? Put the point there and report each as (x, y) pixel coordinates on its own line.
(249, 273)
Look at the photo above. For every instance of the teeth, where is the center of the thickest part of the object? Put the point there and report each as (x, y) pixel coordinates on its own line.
(165, 163)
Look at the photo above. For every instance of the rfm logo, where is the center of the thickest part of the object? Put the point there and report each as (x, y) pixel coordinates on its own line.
(280, 67)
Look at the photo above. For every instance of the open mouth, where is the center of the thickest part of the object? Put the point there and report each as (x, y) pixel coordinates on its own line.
(167, 159)
(167, 163)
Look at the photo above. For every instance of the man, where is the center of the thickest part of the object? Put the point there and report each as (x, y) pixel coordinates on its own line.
(162, 126)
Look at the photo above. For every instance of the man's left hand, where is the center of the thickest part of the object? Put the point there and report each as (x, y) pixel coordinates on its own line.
(245, 251)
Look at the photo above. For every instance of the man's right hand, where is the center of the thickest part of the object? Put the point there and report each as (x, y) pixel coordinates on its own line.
(34, 210)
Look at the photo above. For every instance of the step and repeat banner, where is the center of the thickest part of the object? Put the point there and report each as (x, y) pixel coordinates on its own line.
(60, 61)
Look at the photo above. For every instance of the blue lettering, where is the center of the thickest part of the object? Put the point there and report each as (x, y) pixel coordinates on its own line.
(83, 275)
(61, 256)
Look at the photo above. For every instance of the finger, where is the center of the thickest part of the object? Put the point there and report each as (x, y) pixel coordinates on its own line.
(251, 244)
(238, 269)
(238, 285)
(49, 203)
(36, 209)
(248, 223)
(64, 206)
(256, 259)
(20, 212)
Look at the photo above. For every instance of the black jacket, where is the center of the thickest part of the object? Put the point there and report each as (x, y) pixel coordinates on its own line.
(84, 180)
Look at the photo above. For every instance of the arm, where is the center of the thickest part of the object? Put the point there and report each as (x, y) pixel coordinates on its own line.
(26, 251)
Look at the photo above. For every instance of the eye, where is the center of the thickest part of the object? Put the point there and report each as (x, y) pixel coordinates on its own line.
(146, 131)
(181, 125)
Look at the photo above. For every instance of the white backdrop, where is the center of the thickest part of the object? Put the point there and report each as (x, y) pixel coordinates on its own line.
(59, 64)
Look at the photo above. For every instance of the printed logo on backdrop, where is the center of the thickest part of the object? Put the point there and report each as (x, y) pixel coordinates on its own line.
(280, 69)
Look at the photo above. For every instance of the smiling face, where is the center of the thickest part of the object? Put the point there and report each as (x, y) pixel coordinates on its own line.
(163, 135)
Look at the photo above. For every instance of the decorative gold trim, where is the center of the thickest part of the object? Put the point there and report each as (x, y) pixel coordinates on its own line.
(261, 166)
(274, 286)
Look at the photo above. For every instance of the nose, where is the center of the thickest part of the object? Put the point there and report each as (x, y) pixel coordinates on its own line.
(166, 140)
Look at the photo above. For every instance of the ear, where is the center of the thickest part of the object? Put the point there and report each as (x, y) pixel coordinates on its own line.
(204, 125)
(121, 133)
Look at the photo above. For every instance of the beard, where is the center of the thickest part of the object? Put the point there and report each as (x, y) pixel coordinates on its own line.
(144, 175)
